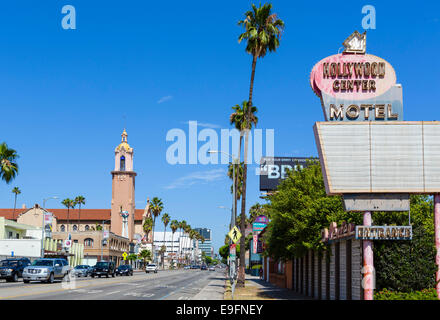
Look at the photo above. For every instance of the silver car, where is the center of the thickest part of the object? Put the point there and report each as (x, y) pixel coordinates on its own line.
(46, 270)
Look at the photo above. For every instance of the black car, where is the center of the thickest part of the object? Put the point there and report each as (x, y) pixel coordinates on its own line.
(204, 268)
(104, 268)
(12, 269)
(124, 270)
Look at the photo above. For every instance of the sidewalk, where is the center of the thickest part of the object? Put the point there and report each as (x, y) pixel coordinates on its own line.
(213, 291)
(256, 289)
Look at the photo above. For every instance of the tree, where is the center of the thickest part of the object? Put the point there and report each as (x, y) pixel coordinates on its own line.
(262, 32)
(68, 203)
(8, 164)
(165, 220)
(174, 225)
(182, 226)
(79, 200)
(147, 226)
(238, 181)
(16, 191)
(156, 209)
(145, 255)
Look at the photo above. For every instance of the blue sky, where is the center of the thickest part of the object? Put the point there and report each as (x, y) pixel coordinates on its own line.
(64, 93)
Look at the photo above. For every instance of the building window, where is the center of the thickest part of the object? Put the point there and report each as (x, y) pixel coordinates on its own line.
(86, 228)
(75, 228)
(122, 164)
(88, 242)
(63, 228)
(75, 241)
(17, 236)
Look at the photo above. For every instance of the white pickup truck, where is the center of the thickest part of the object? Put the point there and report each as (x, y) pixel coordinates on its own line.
(151, 267)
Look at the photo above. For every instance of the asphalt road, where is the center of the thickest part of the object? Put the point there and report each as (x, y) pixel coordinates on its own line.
(164, 285)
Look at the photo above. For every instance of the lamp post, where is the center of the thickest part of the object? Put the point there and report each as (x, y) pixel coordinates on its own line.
(102, 238)
(42, 228)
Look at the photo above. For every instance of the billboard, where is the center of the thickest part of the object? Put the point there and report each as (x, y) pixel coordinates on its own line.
(274, 169)
(379, 157)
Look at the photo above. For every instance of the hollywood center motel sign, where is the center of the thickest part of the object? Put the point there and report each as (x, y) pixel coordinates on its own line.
(368, 153)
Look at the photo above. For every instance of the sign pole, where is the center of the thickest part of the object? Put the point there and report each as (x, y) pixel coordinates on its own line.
(437, 240)
(368, 269)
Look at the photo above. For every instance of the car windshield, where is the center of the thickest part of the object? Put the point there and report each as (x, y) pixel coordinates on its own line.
(7, 263)
(102, 264)
(151, 265)
(81, 267)
(44, 263)
(123, 266)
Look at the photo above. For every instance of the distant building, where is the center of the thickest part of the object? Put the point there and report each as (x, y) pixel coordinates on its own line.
(205, 246)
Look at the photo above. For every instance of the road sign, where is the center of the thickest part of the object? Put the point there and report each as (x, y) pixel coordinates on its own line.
(232, 252)
(234, 234)
(124, 255)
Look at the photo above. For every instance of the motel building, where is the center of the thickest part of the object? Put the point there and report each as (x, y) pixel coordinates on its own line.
(105, 233)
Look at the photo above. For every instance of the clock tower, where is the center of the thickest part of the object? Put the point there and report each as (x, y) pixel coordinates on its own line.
(123, 202)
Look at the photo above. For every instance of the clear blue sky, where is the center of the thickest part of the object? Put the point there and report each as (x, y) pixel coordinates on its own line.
(64, 92)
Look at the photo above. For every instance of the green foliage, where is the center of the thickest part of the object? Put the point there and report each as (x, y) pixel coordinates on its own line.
(406, 265)
(257, 266)
(424, 294)
(224, 251)
(8, 164)
(299, 210)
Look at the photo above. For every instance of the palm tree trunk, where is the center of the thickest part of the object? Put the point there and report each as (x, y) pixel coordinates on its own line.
(163, 254)
(152, 247)
(15, 205)
(172, 247)
(241, 270)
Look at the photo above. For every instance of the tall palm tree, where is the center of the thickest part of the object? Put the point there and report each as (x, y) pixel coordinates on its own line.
(16, 191)
(156, 208)
(182, 226)
(80, 200)
(263, 30)
(166, 221)
(8, 164)
(68, 203)
(188, 242)
(174, 225)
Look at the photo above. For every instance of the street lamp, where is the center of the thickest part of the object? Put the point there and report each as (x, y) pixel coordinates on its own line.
(102, 238)
(42, 228)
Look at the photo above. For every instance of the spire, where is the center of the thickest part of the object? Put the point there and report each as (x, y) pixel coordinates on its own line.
(124, 136)
(124, 142)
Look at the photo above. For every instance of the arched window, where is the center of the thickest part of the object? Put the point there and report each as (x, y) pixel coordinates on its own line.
(63, 228)
(122, 164)
(86, 228)
(75, 228)
(88, 242)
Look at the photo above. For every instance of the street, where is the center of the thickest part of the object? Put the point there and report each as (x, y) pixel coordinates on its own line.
(165, 285)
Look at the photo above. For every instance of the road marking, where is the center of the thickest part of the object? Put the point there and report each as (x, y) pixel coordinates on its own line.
(107, 294)
(94, 291)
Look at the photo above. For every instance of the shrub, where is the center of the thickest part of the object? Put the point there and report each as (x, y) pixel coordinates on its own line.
(425, 294)
(257, 266)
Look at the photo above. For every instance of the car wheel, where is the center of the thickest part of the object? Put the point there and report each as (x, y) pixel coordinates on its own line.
(51, 278)
(106, 275)
(113, 275)
(26, 281)
(99, 276)
(15, 278)
(92, 276)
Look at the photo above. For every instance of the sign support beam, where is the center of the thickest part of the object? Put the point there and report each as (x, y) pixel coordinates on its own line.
(368, 269)
(437, 240)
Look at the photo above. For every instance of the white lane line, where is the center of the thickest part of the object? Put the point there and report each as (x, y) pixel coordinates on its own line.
(95, 291)
(107, 294)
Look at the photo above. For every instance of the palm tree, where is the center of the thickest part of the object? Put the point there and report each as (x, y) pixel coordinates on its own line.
(263, 30)
(8, 166)
(165, 220)
(182, 226)
(145, 255)
(68, 203)
(80, 200)
(156, 208)
(187, 231)
(174, 225)
(16, 191)
(147, 226)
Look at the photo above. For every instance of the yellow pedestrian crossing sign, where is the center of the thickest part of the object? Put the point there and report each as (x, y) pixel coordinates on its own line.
(124, 255)
(234, 234)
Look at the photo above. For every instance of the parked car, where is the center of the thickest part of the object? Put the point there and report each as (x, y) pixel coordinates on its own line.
(104, 268)
(211, 268)
(12, 269)
(151, 267)
(81, 271)
(203, 267)
(124, 270)
(186, 267)
(47, 269)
